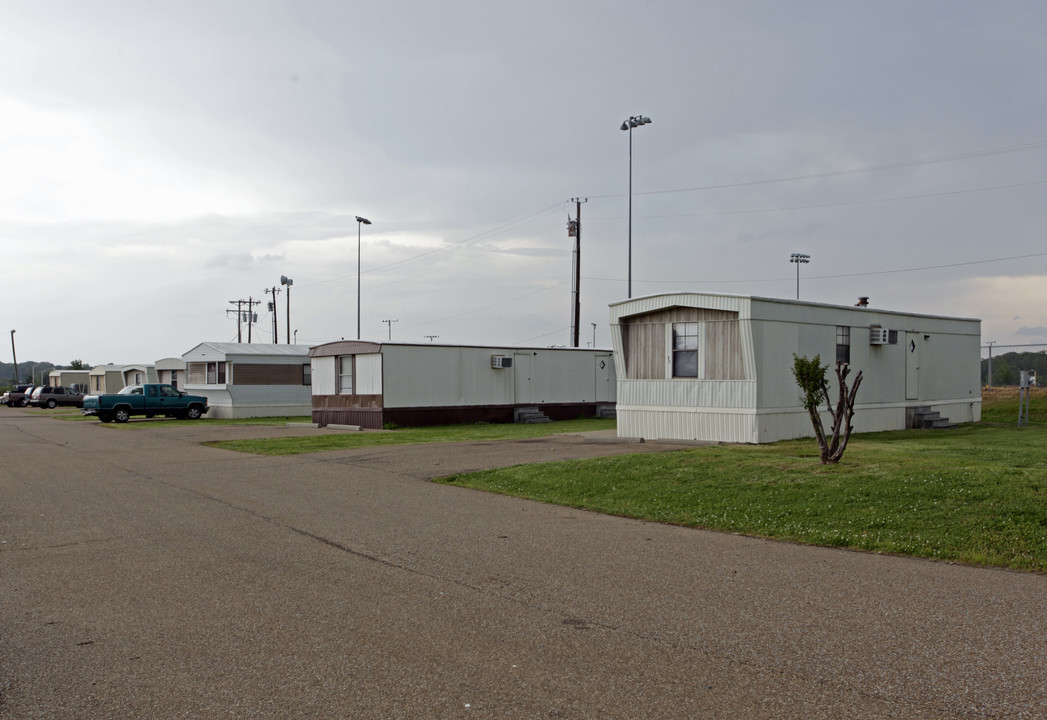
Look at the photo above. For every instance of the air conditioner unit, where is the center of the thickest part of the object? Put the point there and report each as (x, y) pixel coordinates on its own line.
(878, 335)
(501, 361)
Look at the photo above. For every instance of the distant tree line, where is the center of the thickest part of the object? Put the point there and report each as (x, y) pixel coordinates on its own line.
(1006, 367)
(29, 368)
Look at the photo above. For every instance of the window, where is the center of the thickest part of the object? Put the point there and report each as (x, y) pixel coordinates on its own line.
(843, 344)
(174, 378)
(307, 374)
(345, 375)
(168, 391)
(685, 350)
(216, 373)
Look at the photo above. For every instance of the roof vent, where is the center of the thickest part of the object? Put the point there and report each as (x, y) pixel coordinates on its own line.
(863, 301)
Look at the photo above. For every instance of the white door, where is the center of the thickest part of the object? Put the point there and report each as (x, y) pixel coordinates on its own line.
(604, 379)
(912, 366)
(522, 379)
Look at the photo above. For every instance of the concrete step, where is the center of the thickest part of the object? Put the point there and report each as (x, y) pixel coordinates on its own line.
(927, 419)
(530, 415)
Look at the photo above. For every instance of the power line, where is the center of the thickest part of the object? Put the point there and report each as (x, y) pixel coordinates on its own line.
(831, 277)
(872, 201)
(1039, 145)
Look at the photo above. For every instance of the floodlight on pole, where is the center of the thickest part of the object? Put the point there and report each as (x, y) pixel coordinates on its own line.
(799, 259)
(284, 280)
(360, 221)
(633, 121)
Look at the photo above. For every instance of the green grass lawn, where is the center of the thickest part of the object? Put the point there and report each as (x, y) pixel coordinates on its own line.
(408, 436)
(976, 495)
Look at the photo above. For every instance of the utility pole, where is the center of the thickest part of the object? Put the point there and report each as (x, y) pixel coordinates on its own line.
(251, 315)
(390, 324)
(272, 306)
(239, 318)
(574, 229)
(988, 376)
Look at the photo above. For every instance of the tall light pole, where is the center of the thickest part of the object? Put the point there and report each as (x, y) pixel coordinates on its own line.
(15, 357)
(799, 259)
(284, 280)
(633, 121)
(359, 223)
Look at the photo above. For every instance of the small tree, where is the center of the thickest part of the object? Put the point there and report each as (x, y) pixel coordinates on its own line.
(78, 365)
(810, 376)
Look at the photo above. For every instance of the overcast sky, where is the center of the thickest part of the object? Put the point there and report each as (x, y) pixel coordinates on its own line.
(160, 160)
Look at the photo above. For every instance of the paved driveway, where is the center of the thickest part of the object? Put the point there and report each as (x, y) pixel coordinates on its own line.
(143, 575)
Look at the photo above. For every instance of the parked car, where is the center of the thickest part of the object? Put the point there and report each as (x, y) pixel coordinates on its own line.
(150, 400)
(52, 396)
(18, 396)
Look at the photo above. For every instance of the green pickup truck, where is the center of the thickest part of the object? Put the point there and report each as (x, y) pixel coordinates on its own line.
(149, 400)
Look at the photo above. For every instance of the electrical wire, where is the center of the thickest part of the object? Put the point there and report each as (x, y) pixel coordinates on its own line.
(826, 277)
(873, 201)
(1025, 147)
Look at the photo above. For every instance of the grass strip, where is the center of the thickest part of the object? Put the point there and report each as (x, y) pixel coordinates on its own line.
(977, 494)
(478, 432)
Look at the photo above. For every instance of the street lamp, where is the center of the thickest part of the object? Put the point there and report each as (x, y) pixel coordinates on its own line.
(359, 223)
(284, 280)
(799, 259)
(15, 357)
(633, 121)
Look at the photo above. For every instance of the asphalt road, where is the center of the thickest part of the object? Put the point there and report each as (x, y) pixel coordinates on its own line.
(143, 575)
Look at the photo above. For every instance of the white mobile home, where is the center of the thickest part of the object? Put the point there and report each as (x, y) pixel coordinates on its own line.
(242, 380)
(719, 367)
(138, 374)
(374, 384)
(170, 371)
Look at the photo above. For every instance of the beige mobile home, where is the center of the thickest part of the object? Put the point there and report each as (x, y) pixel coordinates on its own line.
(69, 378)
(372, 384)
(719, 367)
(242, 380)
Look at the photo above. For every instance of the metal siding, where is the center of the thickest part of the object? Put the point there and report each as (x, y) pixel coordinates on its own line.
(688, 394)
(711, 426)
(447, 376)
(324, 380)
(368, 380)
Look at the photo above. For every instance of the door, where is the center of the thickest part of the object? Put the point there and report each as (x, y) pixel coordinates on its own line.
(522, 392)
(912, 366)
(604, 379)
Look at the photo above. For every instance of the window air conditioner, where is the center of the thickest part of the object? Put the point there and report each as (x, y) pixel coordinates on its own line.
(501, 361)
(878, 335)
